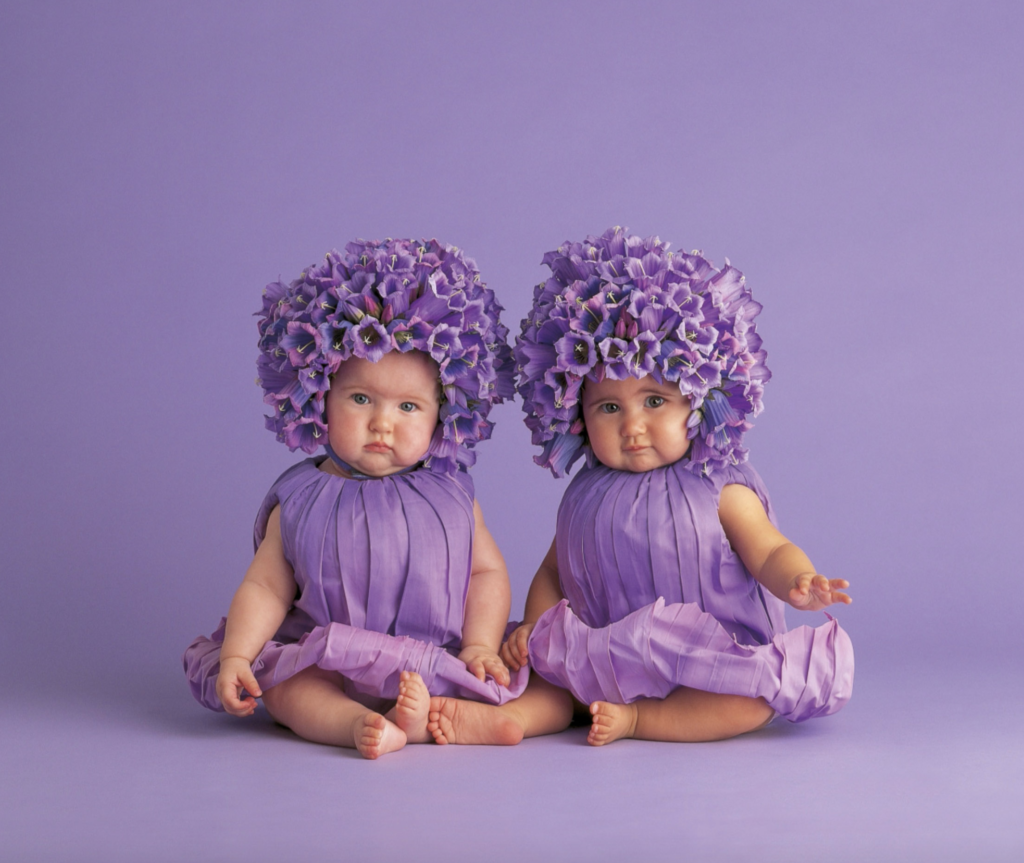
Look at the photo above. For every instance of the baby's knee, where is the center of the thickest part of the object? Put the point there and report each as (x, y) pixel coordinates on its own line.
(754, 713)
(277, 699)
(274, 699)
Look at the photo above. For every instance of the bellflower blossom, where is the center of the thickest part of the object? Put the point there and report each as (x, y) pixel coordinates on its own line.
(622, 306)
(373, 298)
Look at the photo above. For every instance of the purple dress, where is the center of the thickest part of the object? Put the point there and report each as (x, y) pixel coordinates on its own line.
(382, 568)
(655, 598)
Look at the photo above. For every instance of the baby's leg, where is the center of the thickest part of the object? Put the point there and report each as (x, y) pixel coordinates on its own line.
(541, 709)
(314, 706)
(685, 716)
(410, 712)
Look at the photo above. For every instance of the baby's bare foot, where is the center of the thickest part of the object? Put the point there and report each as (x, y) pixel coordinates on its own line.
(455, 721)
(375, 736)
(413, 707)
(609, 722)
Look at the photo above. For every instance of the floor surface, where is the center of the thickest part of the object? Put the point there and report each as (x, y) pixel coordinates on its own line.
(901, 774)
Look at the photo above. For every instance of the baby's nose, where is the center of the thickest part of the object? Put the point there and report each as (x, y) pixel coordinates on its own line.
(632, 424)
(380, 421)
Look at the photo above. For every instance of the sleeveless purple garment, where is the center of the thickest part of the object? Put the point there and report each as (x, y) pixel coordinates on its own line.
(382, 568)
(656, 599)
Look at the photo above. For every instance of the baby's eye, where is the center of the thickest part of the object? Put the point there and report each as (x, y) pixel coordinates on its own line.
(360, 399)
(408, 407)
(608, 408)
(655, 401)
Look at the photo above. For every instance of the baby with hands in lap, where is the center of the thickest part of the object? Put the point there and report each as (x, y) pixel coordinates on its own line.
(659, 607)
(375, 580)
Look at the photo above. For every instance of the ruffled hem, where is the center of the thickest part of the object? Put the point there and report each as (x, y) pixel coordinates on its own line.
(369, 661)
(803, 673)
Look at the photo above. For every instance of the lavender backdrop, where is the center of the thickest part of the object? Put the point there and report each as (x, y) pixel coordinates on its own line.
(162, 162)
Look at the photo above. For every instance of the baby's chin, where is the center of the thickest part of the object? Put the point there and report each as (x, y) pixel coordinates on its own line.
(378, 472)
(374, 468)
(641, 462)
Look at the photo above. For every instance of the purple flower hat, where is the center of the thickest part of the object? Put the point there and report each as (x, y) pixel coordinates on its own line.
(395, 295)
(621, 306)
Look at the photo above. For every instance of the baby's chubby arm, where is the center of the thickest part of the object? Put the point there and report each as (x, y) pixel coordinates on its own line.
(772, 559)
(488, 602)
(545, 592)
(256, 613)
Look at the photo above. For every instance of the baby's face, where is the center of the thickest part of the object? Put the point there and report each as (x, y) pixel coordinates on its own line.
(636, 425)
(381, 416)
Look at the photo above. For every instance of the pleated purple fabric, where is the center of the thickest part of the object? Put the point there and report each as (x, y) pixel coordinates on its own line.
(382, 568)
(656, 598)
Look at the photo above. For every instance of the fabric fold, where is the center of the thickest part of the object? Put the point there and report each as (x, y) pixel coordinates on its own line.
(370, 662)
(803, 673)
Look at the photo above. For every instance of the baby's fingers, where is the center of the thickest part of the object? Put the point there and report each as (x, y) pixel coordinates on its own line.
(248, 707)
(496, 668)
(820, 585)
(508, 657)
(825, 592)
(229, 697)
(248, 680)
(520, 638)
(800, 594)
(836, 587)
(838, 584)
(514, 652)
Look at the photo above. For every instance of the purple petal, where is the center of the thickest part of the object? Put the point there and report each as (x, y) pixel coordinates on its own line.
(370, 340)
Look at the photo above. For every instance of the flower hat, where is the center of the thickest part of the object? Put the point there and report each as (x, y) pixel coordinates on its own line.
(621, 306)
(395, 295)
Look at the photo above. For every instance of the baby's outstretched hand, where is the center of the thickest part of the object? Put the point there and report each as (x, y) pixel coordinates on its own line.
(514, 652)
(811, 592)
(236, 675)
(481, 661)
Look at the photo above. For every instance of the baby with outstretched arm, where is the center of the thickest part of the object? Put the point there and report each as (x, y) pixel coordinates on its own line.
(660, 603)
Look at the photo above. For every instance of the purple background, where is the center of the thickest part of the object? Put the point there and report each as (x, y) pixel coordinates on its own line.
(161, 163)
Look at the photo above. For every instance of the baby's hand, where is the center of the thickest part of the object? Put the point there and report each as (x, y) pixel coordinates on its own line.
(482, 661)
(812, 592)
(514, 652)
(236, 675)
